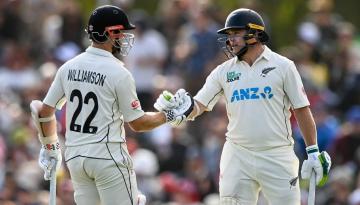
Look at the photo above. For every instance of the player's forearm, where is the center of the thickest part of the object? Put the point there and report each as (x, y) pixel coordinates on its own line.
(148, 121)
(307, 125)
(198, 110)
(48, 128)
(45, 122)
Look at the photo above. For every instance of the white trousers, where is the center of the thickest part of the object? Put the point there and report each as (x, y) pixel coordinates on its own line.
(244, 172)
(103, 179)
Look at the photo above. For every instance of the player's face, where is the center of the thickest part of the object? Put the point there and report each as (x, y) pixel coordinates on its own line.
(121, 40)
(236, 39)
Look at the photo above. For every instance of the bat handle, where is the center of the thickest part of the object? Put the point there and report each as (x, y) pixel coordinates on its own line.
(312, 188)
(53, 184)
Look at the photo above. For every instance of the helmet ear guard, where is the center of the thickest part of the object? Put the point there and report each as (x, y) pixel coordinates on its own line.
(262, 36)
(250, 38)
(257, 32)
(97, 37)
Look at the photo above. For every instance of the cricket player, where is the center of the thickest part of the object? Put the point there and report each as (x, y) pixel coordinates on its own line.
(260, 88)
(101, 96)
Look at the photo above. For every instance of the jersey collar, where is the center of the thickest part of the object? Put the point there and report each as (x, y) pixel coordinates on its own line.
(98, 51)
(266, 53)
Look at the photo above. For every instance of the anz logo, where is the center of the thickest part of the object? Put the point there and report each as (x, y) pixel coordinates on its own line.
(254, 93)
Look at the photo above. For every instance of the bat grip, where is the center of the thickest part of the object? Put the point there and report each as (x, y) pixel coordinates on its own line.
(312, 188)
(52, 200)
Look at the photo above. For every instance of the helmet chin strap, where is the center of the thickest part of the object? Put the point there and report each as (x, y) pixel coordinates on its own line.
(250, 40)
(238, 54)
(230, 51)
(242, 52)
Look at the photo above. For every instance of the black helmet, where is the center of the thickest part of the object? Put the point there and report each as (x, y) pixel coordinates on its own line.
(245, 19)
(248, 20)
(105, 18)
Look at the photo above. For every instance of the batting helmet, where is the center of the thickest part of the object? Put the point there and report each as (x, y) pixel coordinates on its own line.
(246, 19)
(105, 19)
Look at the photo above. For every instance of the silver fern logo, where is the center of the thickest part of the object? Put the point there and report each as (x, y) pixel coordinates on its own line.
(293, 181)
(265, 71)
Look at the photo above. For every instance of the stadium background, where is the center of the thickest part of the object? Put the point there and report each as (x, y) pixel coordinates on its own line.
(175, 47)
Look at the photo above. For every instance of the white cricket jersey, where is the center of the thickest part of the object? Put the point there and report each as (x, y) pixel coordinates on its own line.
(100, 94)
(258, 98)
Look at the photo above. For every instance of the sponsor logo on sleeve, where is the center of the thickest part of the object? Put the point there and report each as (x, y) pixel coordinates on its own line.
(135, 104)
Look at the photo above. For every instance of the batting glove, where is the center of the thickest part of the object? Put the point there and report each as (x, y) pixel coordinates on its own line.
(319, 162)
(49, 153)
(166, 101)
(176, 107)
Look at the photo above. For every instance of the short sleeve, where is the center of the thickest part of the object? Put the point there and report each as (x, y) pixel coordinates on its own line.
(211, 92)
(294, 88)
(128, 101)
(55, 96)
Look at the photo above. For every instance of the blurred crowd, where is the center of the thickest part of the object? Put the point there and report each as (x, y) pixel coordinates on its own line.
(174, 47)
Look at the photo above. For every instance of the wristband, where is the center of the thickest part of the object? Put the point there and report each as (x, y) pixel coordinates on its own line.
(52, 147)
(312, 151)
(197, 108)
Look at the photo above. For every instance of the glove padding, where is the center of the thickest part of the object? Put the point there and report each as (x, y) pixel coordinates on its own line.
(320, 163)
(166, 101)
(176, 107)
(49, 153)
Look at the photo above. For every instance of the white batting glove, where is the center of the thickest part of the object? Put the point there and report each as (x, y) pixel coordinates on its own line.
(166, 101)
(176, 107)
(174, 120)
(48, 153)
(319, 162)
